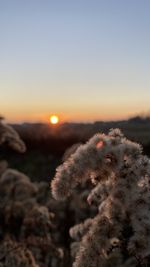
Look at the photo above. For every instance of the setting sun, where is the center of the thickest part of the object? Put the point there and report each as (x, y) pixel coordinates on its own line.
(54, 119)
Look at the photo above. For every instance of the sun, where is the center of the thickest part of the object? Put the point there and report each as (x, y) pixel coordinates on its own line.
(54, 119)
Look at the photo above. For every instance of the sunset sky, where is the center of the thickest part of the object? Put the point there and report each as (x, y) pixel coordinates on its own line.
(84, 60)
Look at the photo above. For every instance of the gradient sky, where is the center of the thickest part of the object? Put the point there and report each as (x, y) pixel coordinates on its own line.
(85, 60)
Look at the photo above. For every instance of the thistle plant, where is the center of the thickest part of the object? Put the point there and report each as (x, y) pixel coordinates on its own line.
(119, 234)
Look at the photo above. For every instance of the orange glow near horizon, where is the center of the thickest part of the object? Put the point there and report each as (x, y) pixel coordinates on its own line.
(66, 116)
(54, 119)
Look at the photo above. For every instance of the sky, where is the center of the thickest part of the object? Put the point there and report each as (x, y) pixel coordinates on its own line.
(84, 60)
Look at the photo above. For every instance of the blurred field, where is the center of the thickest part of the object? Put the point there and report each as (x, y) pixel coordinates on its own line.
(46, 144)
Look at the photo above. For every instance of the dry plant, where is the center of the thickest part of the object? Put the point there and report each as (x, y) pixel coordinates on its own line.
(27, 231)
(119, 234)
